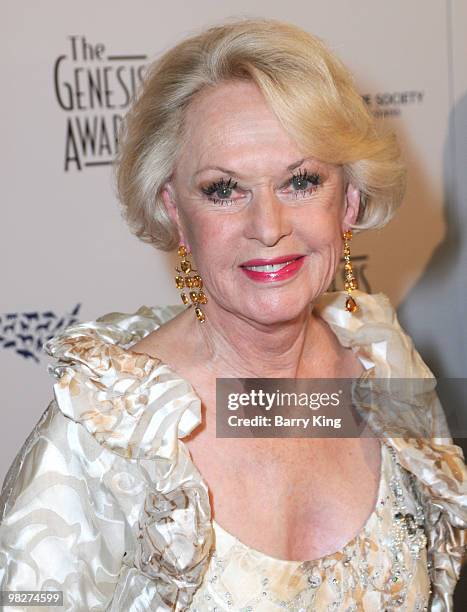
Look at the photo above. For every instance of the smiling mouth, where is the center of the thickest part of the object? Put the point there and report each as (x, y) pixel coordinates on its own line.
(270, 267)
(274, 264)
(273, 270)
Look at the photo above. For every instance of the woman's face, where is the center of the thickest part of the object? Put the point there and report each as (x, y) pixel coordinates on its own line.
(246, 202)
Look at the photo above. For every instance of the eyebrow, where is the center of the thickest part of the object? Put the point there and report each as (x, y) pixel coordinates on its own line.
(233, 173)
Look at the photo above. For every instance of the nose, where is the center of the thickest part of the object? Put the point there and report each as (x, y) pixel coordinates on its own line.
(268, 219)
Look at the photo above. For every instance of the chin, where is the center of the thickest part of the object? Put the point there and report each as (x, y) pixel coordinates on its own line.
(270, 314)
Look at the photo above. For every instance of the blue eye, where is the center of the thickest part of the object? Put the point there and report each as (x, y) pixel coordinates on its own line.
(300, 181)
(223, 189)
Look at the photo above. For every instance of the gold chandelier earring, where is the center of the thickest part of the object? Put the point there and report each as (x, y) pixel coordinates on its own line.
(193, 283)
(350, 282)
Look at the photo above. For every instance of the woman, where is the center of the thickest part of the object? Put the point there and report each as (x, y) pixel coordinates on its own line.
(251, 152)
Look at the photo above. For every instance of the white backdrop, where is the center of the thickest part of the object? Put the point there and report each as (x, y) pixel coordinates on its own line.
(67, 254)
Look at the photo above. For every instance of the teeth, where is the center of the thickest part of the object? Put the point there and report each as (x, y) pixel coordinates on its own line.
(269, 267)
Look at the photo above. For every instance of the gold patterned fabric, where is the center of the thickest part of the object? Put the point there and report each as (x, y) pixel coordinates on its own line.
(104, 502)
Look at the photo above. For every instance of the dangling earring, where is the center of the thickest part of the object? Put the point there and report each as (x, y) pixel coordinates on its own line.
(350, 282)
(190, 282)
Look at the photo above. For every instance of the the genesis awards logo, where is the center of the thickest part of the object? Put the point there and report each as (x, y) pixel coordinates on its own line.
(94, 89)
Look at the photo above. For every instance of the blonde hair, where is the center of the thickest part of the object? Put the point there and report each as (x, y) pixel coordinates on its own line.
(307, 87)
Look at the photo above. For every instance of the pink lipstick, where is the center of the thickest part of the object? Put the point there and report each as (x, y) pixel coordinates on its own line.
(270, 270)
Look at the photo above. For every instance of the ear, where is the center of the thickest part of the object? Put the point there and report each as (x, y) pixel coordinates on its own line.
(170, 203)
(352, 206)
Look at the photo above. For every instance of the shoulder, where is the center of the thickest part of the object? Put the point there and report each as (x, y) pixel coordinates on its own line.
(374, 333)
(131, 403)
(374, 310)
(428, 454)
(369, 304)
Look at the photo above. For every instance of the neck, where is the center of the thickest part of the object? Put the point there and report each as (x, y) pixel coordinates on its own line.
(232, 346)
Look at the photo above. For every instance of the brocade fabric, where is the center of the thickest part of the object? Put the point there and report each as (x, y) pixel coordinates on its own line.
(104, 503)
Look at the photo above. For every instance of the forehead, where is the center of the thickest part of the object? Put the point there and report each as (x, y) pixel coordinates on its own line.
(227, 99)
(234, 121)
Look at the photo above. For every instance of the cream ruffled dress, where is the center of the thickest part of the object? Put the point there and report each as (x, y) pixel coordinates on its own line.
(104, 503)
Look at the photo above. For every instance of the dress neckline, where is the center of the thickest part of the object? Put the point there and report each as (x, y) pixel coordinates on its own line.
(368, 371)
(295, 563)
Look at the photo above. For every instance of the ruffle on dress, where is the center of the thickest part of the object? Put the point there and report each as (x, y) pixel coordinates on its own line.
(437, 464)
(138, 407)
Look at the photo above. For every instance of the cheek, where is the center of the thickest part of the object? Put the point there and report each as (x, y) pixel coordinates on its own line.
(321, 229)
(196, 228)
(213, 242)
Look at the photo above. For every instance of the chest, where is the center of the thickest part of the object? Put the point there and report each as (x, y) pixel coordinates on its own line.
(292, 499)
